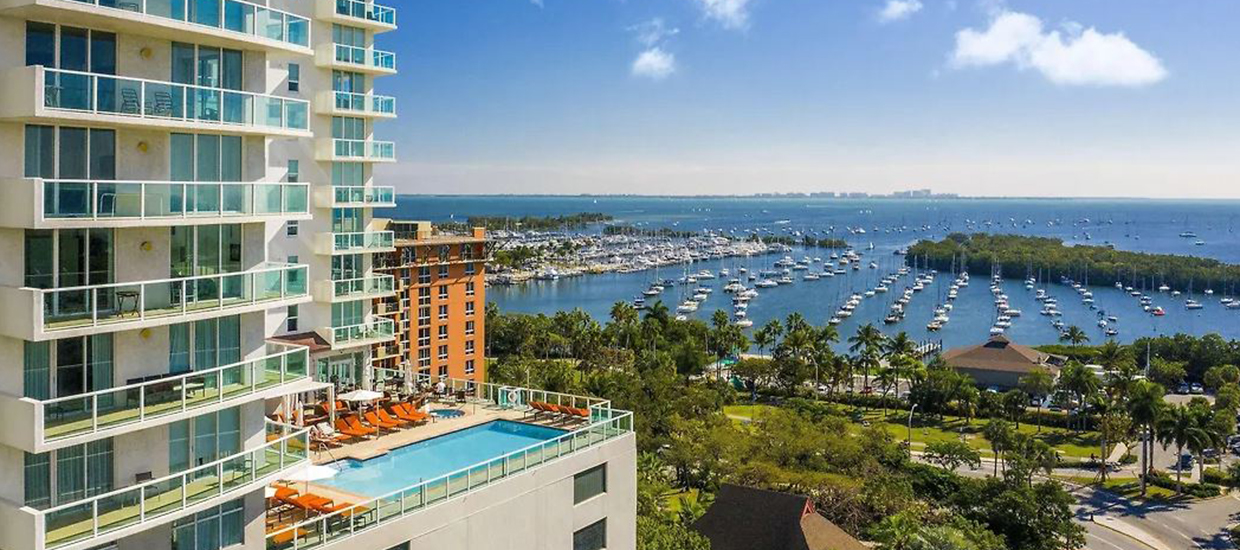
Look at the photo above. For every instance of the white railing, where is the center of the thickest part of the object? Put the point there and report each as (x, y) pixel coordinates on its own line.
(364, 103)
(608, 424)
(352, 195)
(231, 15)
(93, 305)
(363, 287)
(363, 241)
(99, 515)
(363, 149)
(364, 57)
(151, 200)
(158, 100)
(376, 330)
(100, 410)
(366, 10)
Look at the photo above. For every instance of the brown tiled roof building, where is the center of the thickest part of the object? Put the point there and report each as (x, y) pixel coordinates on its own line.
(1001, 363)
(742, 518)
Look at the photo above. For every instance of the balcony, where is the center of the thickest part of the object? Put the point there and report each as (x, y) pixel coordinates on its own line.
(225, 23)
(51, 95)
(361, 288)
(77, 311)
(362, 242)
(357, 150)
(354, 104)
(365, 334)
(110, 516)
(35, 203)
(598, 425)
(357, 13)
(354, 58)
(354, 196)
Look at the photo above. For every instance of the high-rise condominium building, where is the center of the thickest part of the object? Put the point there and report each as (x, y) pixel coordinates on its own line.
(188, 268)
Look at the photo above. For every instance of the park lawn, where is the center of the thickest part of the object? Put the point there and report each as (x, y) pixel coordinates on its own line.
(677, 499)
(1130, 487)
(745, 411)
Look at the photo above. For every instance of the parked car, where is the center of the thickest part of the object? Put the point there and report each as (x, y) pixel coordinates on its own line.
(1183, 389)
(1196, 389)
(1186, 462)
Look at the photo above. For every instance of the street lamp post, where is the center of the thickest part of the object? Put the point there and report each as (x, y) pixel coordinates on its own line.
(910, 427)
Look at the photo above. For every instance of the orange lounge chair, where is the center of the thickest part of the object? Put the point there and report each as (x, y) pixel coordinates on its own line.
(374, 420)
(357, 432)
(308, 502)
(575, 411)
(384, 416)
(407, 412)
(286, 537)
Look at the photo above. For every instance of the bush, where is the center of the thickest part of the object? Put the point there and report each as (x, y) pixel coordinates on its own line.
(1234, 533)
(1198, 490)
(1215, 476)
(1128, 458)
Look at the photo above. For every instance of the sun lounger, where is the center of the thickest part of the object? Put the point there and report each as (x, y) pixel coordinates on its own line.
(286, 537)
(384, 416)
(374, 420)
(350, 427)
(405, 411)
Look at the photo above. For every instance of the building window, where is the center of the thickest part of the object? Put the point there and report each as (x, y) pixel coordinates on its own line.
(469, 308)
(211, 529)
(424, 315)
(469, 328)
(443, 371)
(469, 288)
(591, 537)
(470, 269)
(590, 483)
(294, 77)
(68, 474)
(294, 171)
(424, 357)
(424, 296)
(445, 252)
(443, 292)
(204, 439)
(443, 312)
(424, 337)
(443, 332)
(291, 229)
(291, 324)
(424, 275)
(443, 272)
(469, 347)
(443, 352)
(469, 366)
(467, 252)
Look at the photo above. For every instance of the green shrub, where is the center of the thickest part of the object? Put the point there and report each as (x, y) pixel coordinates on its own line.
(1215, 476)
(1198, 490)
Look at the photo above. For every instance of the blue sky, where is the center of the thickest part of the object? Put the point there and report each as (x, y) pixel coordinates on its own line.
(1015, 98)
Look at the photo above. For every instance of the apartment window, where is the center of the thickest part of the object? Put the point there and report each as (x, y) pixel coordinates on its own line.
(346, 81)
(344, 127)
(204, 439)
(469, 328)
(443, 352)
(590, 483)
(443, 312)
(347, 266)
(66, 367)
(347, 220)
(351, 174)
(347, 314)
(443, 332)
(294, 171)
(349, 36)
(211, 529)
(294, 315)
(591, 537)
(469, 288)
(424, 337)
(292, 228)
(469, 308)
(68, 153)
(443, 371)
(294, 77)
(205, 250)
(68, 474)
(80, 50)
(445, 252)
(424, 315)
(443, 292)
(470, 269)
(467, 252)
(424, 296)
(443, 271)
(424, 357)
(469, 347)
(424, 275)
(213, 68)
(205, 344)
(58, 258)
(469, 366)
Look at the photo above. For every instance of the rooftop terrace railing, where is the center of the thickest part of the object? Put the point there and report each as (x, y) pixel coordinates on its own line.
(162, 200)
(230, 15)
(366, 10)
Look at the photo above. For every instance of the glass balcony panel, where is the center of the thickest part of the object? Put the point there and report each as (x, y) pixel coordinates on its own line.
(296, 115)
(66, 525)
(69, 417)
(63, 199)
(164, 496)
(205, 198)
(120, 510)
(269, 284)
(296, 199)
(267, 197)
(163, 298)
(206, 104)
(235, 199)
(163, 100)
(239, 17)
(298, 31)
(118, 200)
(238, 108)
(63, 90)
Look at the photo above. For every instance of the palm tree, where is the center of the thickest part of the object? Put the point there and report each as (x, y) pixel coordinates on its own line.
(866, 342)
(768, 335)
(1180, 426)
(999, 432)
(1074, 335)
(1038, 383)
(1145, 407)
(1079, 381)
(658, 312)
(623, 316)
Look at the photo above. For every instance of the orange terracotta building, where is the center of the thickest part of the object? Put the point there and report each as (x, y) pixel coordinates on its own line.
(440, 303)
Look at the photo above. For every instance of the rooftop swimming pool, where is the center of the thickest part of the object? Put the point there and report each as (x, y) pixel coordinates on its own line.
(429, 459)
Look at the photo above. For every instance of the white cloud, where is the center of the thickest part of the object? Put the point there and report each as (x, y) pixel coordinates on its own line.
(653, 32)
(538, 3)
(654, 63)
(1075, 55)
(896, 10)
(731, 14)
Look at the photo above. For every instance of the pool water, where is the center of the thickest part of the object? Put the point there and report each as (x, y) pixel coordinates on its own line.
(447, 413)
(429, 459)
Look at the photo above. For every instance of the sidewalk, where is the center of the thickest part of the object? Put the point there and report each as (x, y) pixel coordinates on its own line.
(1129, 530)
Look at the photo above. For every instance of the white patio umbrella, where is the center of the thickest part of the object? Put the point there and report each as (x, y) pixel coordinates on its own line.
(311, 472)
(360, 396)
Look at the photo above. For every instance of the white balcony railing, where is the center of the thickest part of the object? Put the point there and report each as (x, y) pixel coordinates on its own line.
(361, 104)
(234, 475)
(605, 425)
(117, 303)
(92, 412)
(361, 242)
(367, 11)
(357, 58)
(360, 149)
(374, 286)
(170, 101)
(355, 196)
(378, 330)
(245, 19)
(164, 200)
